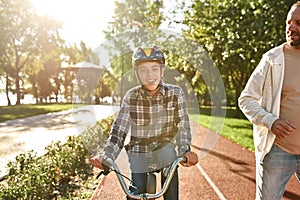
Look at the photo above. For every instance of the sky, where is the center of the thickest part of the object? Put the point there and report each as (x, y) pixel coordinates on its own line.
(83, 20)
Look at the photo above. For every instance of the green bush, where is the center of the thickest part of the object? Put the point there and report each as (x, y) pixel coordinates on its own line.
(55, 175)
(94, 138)
(105, 124)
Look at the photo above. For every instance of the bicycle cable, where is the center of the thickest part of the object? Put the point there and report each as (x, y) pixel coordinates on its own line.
(131, 181)
(105, 172)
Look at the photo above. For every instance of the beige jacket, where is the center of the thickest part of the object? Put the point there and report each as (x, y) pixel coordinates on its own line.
(260, 99)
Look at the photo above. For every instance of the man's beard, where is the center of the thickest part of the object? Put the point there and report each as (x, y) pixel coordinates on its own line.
(295, 43)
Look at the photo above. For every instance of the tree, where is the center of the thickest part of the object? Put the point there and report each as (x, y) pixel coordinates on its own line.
(236, 33)
(26, 35)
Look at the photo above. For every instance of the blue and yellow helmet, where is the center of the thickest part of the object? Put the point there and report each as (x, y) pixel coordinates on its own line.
(148, 54)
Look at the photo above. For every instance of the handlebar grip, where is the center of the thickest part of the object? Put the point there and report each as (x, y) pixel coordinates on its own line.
(106, 169)
(184, 159)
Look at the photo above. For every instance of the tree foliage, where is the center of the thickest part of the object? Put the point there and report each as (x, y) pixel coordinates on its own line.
(26, 36)
(236, 33)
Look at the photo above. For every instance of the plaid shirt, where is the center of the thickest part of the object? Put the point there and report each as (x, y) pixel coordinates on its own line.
(154, 121)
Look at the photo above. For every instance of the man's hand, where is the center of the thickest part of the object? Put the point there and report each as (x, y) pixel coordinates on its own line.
(191, 159)
(282, 128)
(97, 161)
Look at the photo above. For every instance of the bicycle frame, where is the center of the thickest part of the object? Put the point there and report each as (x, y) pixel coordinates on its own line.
(170, 173)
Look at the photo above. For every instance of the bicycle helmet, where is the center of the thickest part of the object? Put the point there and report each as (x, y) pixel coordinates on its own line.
(148, 54)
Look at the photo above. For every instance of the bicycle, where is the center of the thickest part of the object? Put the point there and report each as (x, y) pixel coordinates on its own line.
(110, 165)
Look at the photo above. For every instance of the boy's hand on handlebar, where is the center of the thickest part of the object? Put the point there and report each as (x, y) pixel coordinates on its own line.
(97, 161)
(191, 159)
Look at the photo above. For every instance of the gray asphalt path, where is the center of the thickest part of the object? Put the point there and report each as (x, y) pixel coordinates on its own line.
(35, 133)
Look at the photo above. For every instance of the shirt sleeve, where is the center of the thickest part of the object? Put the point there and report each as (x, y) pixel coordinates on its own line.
(118, 133)
(183, 137)
(251, 97)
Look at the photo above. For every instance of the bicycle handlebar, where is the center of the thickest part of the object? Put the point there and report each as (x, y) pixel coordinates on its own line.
(110, 165)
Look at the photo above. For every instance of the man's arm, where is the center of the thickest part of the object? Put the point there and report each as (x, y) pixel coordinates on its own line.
(252, 96)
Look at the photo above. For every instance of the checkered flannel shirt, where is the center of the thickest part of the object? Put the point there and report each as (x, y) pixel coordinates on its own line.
(153, 120)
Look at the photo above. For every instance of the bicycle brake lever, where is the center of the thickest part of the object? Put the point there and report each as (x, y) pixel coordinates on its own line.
(105, 171)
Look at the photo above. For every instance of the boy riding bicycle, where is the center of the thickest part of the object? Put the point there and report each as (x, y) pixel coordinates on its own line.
(157, 116)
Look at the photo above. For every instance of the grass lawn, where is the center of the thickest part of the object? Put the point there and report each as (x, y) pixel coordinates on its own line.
(238, 130)
(27, 110)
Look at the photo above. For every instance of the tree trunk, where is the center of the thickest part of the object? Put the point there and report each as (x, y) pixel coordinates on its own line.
(7, 90)
(18, 102)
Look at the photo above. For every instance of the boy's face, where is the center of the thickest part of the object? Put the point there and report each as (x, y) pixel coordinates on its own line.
(150, 74)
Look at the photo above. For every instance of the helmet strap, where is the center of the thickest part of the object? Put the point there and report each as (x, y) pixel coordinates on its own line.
(151, 92)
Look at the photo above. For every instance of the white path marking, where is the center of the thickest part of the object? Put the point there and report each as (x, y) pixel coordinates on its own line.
(212, 184)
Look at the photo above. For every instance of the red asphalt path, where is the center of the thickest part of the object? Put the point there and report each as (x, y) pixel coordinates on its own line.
(227, 171)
